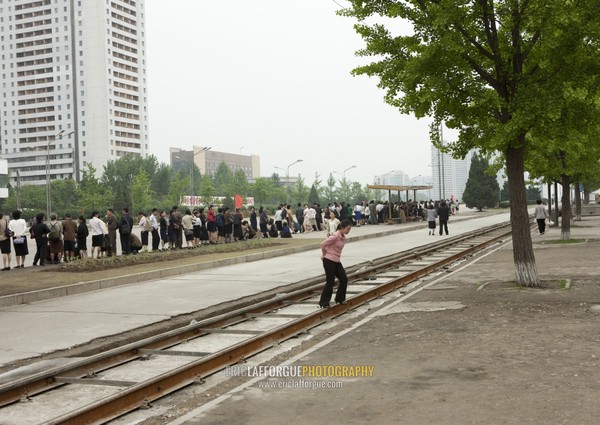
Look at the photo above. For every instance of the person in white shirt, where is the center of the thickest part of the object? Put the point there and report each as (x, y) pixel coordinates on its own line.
(541, 215)
(98, 229)
(358, 214)
(18, 226)
(155, 229)
(310, 219)
(332, 224)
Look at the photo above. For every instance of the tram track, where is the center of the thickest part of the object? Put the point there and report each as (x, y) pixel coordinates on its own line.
(290, 314)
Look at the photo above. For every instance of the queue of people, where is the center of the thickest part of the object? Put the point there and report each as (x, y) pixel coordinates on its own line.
(64, 240)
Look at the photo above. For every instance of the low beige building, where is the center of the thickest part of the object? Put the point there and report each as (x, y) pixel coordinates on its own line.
(208, 160)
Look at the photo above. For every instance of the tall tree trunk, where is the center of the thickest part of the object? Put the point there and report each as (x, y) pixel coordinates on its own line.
(526, 269)
(556, 208)
(550, 199)
(577, 203)
(586, 195)
(565, 223)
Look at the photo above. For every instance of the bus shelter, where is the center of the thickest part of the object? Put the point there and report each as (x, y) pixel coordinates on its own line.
(399, 190)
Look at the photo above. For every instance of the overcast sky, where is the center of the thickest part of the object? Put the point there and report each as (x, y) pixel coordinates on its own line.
(272, 78)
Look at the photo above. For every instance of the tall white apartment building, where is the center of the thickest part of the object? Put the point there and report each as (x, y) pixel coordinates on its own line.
(449, 175)
(393, 178)
(73, 87)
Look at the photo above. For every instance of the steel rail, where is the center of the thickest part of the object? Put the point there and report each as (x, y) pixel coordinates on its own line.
(147, 391)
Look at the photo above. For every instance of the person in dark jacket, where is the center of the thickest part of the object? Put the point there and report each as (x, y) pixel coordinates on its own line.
(263, 221)
(125, 228)
(82, 234)
(285, 230)
(40, 231)
(444, 215)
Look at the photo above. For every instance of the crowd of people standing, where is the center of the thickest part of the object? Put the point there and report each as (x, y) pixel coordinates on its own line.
(64, 240)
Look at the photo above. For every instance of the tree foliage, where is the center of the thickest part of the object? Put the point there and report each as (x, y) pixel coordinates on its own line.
(93, 195)
(501, 72)
(482, 188)
(142, 197)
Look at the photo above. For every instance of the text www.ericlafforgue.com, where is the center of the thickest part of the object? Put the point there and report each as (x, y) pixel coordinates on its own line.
(299, 384)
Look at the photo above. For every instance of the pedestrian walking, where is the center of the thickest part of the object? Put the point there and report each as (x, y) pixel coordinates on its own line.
(444, 215)
(431, 219)
(331, 249)
(541, 215)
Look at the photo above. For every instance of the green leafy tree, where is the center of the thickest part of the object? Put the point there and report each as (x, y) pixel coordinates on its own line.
(533, 193)
(64, 196)
(223, 180)
(161, 180)
(207, 191)
(299, 191)
(370, 194)
(261, 189)
(357, 194)
(492, 69)
(32, 200)
(505, 191)
(343, 191)
(178, 188)
(238, 184)
(276, 178)
(313, 196)
(329, 191)
(482, 188)
(142, 196)
(93, 195)
(118, 175)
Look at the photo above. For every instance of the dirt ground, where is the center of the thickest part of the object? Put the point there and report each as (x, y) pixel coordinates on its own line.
(491, 354)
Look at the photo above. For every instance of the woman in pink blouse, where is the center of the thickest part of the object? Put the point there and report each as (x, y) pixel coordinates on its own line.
(332, 250)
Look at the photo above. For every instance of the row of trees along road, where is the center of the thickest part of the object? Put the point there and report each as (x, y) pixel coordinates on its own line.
(518, 79)
(143, 183)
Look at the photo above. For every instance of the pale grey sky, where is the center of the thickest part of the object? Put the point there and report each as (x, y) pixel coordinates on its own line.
(272, 78)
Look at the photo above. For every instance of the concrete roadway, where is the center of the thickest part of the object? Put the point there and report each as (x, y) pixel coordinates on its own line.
(34, 329)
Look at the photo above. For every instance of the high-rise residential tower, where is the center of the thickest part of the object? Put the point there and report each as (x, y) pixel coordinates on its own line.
(73, 87)
(449, 175)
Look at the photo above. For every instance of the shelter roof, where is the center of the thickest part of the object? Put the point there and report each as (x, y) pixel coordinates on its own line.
(397, 188)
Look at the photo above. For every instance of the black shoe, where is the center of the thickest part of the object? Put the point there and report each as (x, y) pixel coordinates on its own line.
(341, 302)
(325, 306)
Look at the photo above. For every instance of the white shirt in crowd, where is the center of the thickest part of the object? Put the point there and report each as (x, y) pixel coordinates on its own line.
(18, 227)
(98, 227)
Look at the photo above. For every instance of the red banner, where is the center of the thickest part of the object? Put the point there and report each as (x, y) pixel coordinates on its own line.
(238, 201)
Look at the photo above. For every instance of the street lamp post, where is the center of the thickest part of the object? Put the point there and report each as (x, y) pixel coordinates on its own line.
(384, 178)
(287, 178)
(18, 189)
(59, 136)
(344, 172)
